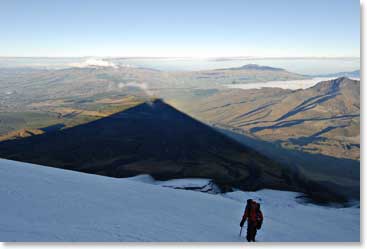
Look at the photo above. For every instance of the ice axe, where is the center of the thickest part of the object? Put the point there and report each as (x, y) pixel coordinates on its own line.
(240, 231)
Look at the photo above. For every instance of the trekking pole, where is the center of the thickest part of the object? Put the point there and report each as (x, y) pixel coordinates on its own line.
(240, 231)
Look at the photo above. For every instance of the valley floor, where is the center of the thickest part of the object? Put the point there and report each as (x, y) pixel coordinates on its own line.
(47, 204)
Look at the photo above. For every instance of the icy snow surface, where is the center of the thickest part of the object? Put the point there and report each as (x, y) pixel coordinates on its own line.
(47, 204)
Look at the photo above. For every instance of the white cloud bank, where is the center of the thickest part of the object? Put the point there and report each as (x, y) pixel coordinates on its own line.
(92, 62)
(284, 84)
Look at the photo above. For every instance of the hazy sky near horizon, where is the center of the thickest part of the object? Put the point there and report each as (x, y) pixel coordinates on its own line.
(265, 28)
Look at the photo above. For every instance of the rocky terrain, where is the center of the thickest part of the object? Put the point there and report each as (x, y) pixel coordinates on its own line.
(324, 119)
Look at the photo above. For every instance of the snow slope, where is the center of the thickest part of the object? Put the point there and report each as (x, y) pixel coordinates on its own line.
(47, 204)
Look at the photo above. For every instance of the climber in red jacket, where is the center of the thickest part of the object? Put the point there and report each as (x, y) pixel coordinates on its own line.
(254, 218)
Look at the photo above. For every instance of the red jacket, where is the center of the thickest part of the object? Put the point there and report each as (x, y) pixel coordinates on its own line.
(253, 214)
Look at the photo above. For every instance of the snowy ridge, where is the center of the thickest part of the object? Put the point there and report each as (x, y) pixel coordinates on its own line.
(48, 204)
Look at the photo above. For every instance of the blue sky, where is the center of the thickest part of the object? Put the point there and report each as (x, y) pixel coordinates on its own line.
(200, 28)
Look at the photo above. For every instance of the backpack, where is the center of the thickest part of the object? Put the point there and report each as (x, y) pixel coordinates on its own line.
(259, 219)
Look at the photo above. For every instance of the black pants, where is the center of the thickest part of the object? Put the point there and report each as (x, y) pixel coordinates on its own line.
(251, 231)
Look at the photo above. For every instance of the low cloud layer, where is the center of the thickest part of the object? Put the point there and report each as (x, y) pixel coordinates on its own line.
(94, 63)
(284, 84)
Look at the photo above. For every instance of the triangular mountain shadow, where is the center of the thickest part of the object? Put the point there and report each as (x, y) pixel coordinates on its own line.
(156, 139)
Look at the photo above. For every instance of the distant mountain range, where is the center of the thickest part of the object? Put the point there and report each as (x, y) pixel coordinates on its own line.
(20, 88)
(254, 67)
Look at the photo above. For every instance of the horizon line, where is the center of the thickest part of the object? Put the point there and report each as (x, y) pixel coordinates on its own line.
(191, 57)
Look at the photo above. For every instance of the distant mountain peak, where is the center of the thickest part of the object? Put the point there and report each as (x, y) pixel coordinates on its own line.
(255, 67)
